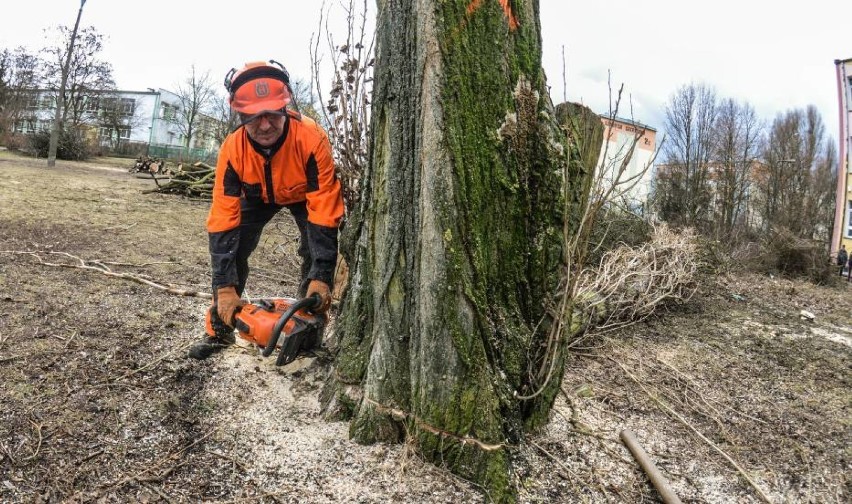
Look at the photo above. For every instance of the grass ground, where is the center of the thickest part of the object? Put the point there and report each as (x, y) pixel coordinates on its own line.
(98, 403)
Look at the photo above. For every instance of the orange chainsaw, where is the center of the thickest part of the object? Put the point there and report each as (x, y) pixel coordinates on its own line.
(263, 323)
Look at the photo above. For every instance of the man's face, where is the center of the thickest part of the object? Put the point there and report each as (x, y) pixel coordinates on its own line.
(266, 128)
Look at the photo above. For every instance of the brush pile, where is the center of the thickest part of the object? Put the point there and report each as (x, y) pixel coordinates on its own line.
(194, 181)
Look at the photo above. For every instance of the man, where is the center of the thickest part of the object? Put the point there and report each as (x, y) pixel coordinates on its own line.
(841, 258)
(275, 159)
(849, 270)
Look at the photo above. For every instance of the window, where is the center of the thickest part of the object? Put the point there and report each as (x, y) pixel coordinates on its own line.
(92, 104)
(849, 219)
(108, 132)
(127, 106)
(25, 126)
(169, 112)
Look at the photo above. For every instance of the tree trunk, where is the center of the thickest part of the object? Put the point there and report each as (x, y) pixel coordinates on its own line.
(456, 246)
(59, 117)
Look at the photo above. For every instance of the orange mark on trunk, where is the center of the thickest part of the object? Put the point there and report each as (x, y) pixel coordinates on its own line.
(510, 16)
(471, 8)
(507, 10)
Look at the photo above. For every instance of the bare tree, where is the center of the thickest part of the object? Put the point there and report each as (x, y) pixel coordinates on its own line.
(60, 101)
(225, 119)
(345, 108)
(684, 180)
(20, 78)
(88, 76)
(793, 187)
(821, 204)
(304, 99)
(737, 134)
(196, 97)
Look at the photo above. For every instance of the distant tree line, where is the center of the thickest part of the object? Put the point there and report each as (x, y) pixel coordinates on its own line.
(734, 177)
(30, 82)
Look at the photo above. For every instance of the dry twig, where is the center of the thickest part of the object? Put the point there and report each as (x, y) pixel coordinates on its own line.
(631, 283)
(346, 108)
(564, 467)
(152, 363)
(37, 427)
(100, 267)
(678, 417)
(140, 476)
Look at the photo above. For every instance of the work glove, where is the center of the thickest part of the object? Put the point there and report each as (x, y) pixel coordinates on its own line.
(227, 304)
(321, 289)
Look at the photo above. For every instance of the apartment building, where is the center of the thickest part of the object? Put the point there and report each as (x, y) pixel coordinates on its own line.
(144, 119)
(842, 232)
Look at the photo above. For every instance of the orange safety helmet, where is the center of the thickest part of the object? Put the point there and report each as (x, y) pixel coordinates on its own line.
(258, 87)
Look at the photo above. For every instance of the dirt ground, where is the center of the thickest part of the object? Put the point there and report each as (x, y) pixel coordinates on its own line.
(99, 404)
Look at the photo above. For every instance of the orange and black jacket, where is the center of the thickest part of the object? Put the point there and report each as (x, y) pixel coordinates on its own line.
(298, 168)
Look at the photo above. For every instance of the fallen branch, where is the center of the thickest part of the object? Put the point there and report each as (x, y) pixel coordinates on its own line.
(691, 383)
(647, 465)
(195, 181)
(632, 282)
(100, 267)
(159, 492)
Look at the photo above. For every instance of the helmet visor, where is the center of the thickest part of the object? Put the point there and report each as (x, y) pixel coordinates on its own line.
(247, 118)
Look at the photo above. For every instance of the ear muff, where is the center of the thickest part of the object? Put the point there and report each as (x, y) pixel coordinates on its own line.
(286, 73)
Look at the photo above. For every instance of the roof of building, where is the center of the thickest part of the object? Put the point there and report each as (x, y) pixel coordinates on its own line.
(631, 122)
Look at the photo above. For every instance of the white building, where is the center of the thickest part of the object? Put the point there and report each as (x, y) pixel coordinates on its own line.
(145, 121)
(619, 136)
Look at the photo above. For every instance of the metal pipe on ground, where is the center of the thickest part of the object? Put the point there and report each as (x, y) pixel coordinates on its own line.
(654, 474)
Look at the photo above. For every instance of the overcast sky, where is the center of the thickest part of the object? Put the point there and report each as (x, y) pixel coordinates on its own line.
(774, 57)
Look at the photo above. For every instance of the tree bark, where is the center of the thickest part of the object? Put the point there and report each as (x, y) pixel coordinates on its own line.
(455, 248)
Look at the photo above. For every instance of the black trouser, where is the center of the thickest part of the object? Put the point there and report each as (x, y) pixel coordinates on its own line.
(254, 217)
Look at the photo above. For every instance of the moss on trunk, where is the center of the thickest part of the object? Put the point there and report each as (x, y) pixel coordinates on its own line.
(455, 250)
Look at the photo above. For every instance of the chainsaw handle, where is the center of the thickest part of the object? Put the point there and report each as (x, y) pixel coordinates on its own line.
(308, 302)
